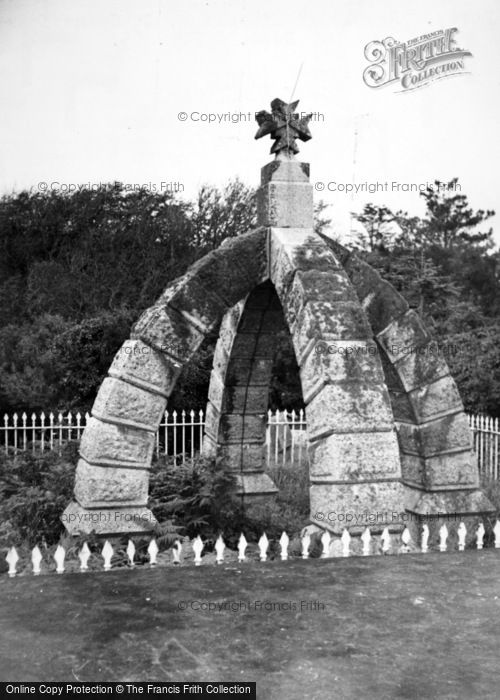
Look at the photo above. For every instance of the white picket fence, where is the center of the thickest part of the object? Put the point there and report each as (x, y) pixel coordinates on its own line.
(394, 544)
(180, 435)
(485, 432)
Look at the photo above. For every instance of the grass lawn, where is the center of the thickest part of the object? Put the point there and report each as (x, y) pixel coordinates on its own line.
(410, 626)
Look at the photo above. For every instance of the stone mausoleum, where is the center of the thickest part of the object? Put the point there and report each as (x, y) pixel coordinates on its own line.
(386, 427)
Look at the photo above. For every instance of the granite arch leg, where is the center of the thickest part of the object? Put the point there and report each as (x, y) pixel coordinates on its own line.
(353, 451)
(439, 468)
(112, 476)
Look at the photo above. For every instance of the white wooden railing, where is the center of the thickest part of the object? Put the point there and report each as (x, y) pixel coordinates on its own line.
(180, 435)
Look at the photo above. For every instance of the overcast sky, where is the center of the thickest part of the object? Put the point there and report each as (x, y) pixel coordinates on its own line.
(91, 91)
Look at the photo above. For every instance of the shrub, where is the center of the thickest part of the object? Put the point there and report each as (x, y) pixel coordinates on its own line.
(190, 499)
(287, 511)
(195, 496)
(35, 488)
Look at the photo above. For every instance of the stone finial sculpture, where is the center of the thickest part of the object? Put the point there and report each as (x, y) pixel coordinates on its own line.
(284, 126)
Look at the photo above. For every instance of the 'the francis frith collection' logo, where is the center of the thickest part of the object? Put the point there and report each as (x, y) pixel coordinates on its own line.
(414, 63)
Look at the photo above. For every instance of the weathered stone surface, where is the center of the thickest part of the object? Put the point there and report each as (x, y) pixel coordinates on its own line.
(355, 457)
(267, 344)
(235, 268)
(436, 399)
(253, 456)
(310, 285)
(168, 331)
(108, 521)
(116, 445)
(451, 471)
(425, 365)
(284, 171)
(441, 435)
(412, 469)
(308, 258)
(140, 364)
(212, 421)
(234, 428)
(256, 372)
(209, 446)
(123, 403)
(348, 407)
(365, 279)
(383, 306)
(273, 321)
(391, 376)
(216, 388)
(469, 501)
(285, 204)
(244, 346)
(404, 333)
(409, 438)
(226, 428)
(451, 432)
(296, 249)
(326, 322)
(107, 486)
(229, 326)
(251, 321)
(245, 400)
(343, 360)
(402, 408)
(221, 360)
(340, 251)
(255, 484)
(296, 237)
(243, 457)
(201, 306)
(249, 252)
(282, 271)
(356, 504)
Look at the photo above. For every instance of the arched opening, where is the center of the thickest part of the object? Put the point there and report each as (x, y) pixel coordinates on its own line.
(239, 390)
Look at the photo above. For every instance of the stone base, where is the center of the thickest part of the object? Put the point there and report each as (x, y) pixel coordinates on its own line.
(285, 204)
(356, 506)
(108, 521)
(449, 508)
(376, 527)
(460, 502)
(256, 484)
